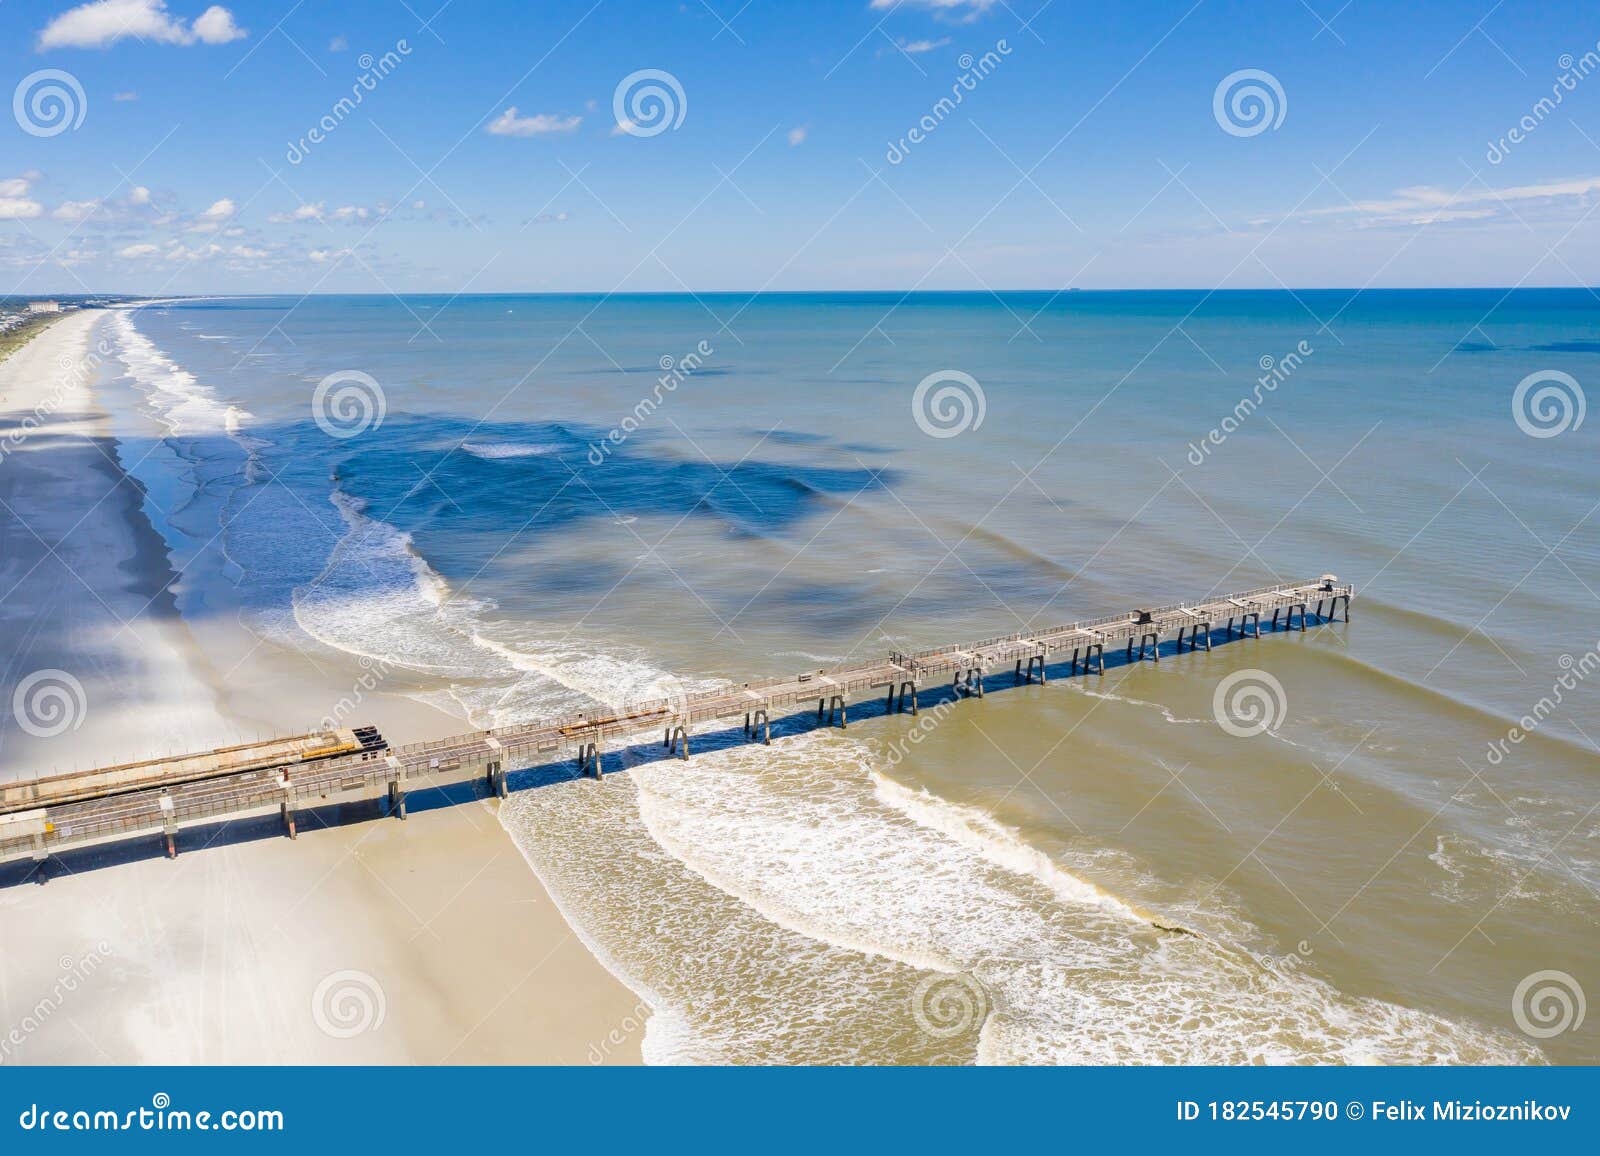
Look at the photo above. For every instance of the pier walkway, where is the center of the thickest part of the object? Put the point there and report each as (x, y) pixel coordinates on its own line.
(41, 816)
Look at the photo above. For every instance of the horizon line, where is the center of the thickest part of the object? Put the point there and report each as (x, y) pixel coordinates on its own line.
(201, 295)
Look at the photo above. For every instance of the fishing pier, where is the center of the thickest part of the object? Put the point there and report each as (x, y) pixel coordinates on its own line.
(39, 817)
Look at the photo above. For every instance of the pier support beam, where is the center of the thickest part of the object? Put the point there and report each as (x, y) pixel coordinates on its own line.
(397, 791)
(678, 742)
(589, 762)
(836, 709)
(1245, 619)
(907, 686)
(286, 811)
(169, 825)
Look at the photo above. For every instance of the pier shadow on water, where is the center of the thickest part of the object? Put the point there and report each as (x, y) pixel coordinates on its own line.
(421, 800)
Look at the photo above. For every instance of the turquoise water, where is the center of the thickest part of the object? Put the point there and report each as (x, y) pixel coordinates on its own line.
(580, 497)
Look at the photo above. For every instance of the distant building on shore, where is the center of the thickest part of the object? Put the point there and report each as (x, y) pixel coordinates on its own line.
(44, 307)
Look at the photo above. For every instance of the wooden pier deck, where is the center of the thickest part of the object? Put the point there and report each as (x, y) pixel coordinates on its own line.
(42, 816)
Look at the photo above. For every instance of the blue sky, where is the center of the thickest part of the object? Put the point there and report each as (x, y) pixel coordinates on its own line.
(1090, 150)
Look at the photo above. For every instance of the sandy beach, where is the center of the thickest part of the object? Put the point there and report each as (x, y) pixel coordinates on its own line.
(429, 941)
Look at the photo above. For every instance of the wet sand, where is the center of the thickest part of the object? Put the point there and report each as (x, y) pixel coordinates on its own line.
(428, 941)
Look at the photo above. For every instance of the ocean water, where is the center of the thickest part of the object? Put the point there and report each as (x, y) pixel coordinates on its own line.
(570, 500)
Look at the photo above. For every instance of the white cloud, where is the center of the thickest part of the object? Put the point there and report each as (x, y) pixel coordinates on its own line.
(1424, 204)
(247, 251)
(914, 47)
(321, 255)
(338, 44)
(798, 134)
(202, 253)
(215, 26)
(139, 195)
(508, 123)
(15, 204)
(219, 210)
(104, 22)
(350, 213)
(307, 212)
(19, 209)
(124, 97)
(74, 210)
(132, 252)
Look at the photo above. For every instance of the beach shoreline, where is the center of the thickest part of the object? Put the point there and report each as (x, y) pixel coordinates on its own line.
(424, 942)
